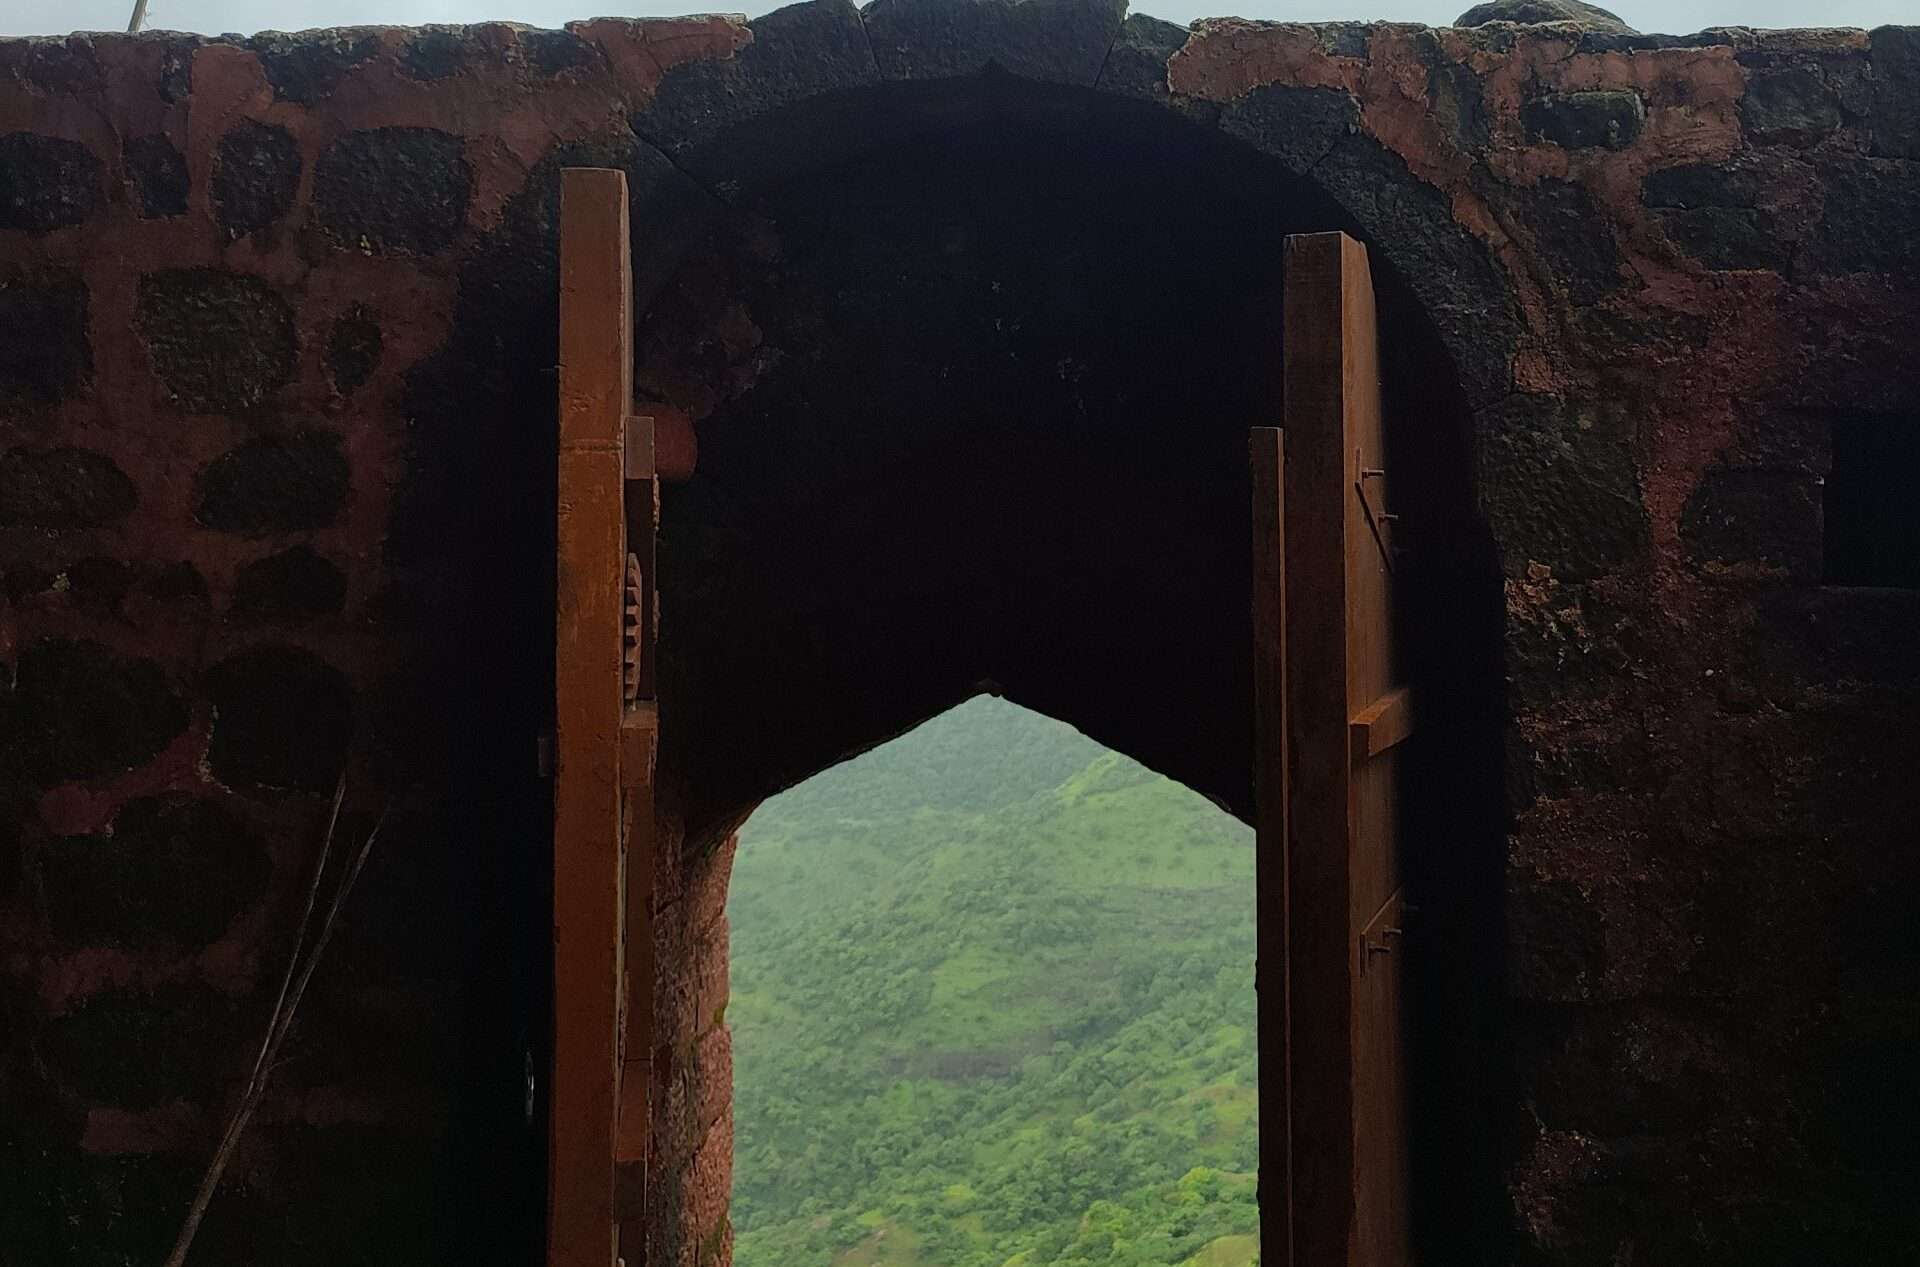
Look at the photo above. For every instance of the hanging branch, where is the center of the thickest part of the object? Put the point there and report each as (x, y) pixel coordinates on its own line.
(293, 985)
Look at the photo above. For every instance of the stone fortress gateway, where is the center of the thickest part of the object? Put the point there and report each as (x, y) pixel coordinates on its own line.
(971, 306)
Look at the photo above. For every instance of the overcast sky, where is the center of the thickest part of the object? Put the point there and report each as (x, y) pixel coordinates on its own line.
(52, 17)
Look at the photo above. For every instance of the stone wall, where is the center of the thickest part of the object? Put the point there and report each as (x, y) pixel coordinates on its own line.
(276, 348)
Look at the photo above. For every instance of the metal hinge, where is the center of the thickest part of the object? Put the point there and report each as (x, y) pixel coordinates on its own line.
(1380, 521)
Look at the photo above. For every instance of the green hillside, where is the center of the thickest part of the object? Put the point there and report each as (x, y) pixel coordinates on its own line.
(993, 1007)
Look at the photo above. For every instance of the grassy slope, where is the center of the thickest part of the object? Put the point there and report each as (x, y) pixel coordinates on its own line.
(993, 1005)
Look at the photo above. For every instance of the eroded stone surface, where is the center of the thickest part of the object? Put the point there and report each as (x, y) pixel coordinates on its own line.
(176, 70)
(1871, 219)
(1136, 66)
(46, 182)
(45, 353)
(797, 52)
(98, 585)
(1564, 494)
(1575, 236)
(1710, 213)
(159, 173)
(63, 488)
(62, 65)
(284, 717)
(306, 68)
(221, 342)
(1792, 105)
(275, 483)
(1582, 120)
(1453, 273)
(433, 54)
(178, 583)
(290, 586)
(353, 352)
(1769, 519)
(556, 52)
(83, 711)
(174, 870)
(134, 1048)
(1896, 86)
(1298, 126)
(256, 170)
(1060, 41)
(394, 189)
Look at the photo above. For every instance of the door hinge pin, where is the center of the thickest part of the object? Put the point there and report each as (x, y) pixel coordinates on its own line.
(1384, 945)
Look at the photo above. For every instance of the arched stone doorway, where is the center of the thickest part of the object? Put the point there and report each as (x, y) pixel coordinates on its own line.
(972, 363)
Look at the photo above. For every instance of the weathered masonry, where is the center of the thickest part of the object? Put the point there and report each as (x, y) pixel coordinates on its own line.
(971, 308)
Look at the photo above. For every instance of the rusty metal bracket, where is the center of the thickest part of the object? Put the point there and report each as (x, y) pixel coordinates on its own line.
(1379, 520)
(1383, 933)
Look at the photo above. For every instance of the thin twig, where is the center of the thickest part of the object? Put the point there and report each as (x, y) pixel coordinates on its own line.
(320, 943)
(139, 16)
(300, 931)
(279, 1023)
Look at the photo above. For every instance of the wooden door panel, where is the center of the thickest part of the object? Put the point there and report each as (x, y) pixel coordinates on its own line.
(1267, 453)
(604, 744)
(1379, 1078)
(1344, 712)
(589, 648)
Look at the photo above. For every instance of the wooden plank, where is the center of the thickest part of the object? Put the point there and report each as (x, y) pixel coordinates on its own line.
(1266, 453)
(596, 367)
(1317, 793)
(1348, 1119)
(1382, 1235)
(1382, 724)
(639, 447)
(639, 733)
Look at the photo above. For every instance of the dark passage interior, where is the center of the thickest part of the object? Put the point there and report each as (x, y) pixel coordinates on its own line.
(1872, 501)
(972, 379)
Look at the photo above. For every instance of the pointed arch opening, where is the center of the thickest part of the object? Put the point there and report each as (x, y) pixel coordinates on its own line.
(991, 1002)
